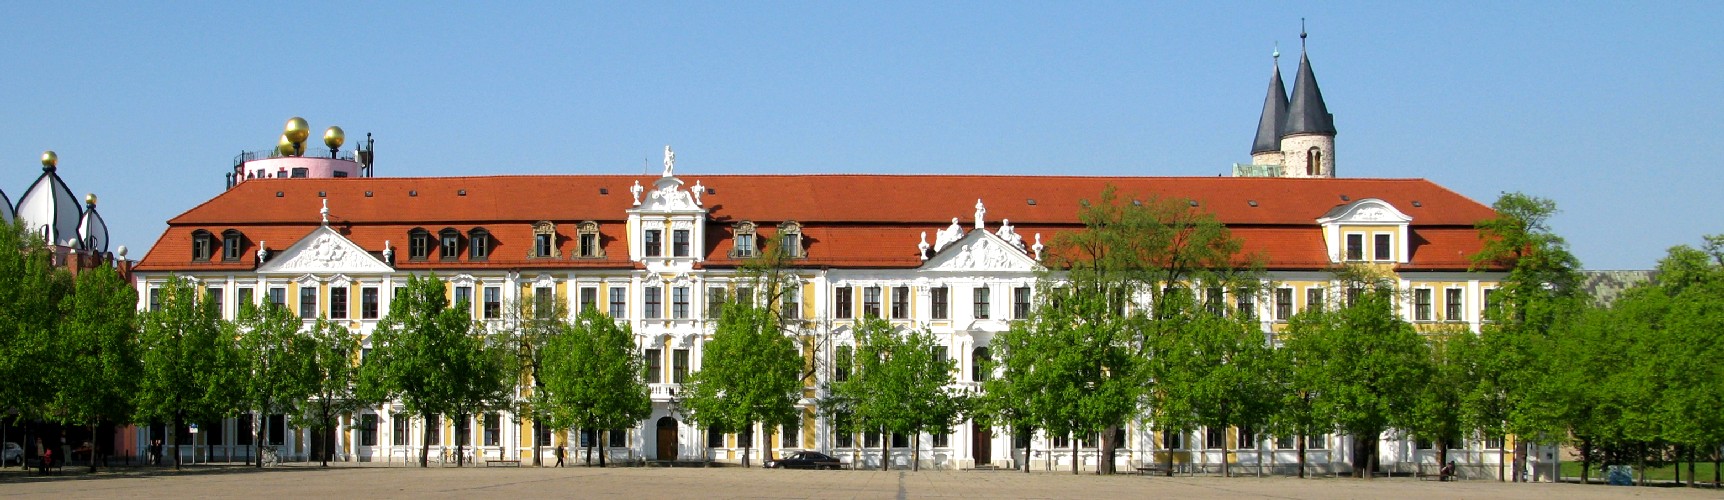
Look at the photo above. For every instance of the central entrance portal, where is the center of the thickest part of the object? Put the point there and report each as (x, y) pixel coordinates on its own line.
(982, 443)
(666, 439)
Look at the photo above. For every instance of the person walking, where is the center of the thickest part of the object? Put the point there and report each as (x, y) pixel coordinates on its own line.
(560, 453)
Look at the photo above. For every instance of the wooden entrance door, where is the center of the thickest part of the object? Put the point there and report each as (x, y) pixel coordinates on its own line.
(982, 443)
(666, 439)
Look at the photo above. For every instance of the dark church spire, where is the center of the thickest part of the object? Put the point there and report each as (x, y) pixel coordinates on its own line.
(1274, 113)
(1306, 113)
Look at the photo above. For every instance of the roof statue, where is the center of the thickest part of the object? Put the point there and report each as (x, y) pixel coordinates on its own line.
(325, 211)
(1009, 234)
(697, 192)
(388, 252)
(1038, 246)
(980, 211)
(951, 234)
(669, 161)
(922, 248)
(262, 251)
(636, 191)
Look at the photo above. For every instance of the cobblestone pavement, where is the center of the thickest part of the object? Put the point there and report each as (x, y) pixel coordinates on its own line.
(528, 482)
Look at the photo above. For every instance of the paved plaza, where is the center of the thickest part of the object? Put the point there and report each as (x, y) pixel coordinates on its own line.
(348, 482)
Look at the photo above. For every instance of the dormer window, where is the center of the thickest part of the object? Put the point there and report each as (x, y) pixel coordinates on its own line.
(544, 239)
(1382, 248)
(478, 244)
(587, 235)
(652, 242)
(202, 245)
(418, 244)
(1355, 246)
(744, 241)
(790, 239)
(232, 245)
(449, 241)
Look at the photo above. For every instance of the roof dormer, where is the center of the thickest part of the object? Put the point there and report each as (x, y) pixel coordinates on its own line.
(667, 226)
(1366, 231)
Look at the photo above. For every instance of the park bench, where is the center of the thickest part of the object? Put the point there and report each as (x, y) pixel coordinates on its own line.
(1152, 470)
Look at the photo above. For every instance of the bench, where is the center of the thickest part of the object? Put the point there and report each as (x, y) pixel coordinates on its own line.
(1151, 470)
(53, 466)
(503, 463)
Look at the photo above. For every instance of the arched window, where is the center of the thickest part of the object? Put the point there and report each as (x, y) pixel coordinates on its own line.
(202, 245)
(232, 245)
(1313, 162)
(449, 240)
(587, 236)
(979, 360)
(743, 240)
(418, 244)
(478, 244)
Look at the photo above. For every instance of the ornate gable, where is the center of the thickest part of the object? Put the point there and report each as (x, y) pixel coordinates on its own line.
(981, 251)
(324, 252)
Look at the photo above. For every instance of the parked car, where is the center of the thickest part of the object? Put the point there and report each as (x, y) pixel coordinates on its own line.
(805, 460)
(11, 454)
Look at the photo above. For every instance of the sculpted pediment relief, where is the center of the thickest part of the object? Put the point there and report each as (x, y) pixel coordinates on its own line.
(324, 252)
(981, 251)
(1369, 210)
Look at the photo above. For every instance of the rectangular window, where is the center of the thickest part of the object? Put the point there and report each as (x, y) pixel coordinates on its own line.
(791, 305)
(214, 296)
(463, 431)
(434, 430)
(155, 299)
(679, 243)
(214, 433)
(1247, 438)
(841, 303)
(1215, 299)
(1285, 442)
(679, 365)
(652, 243)
(463, 298)
(1283, 304)
(1172, 440)
(842, 437)
(368, 429)
(400, 423)
(589, 298)
(1355, 246)
(1215, 438)
(1382, 247)
(277, 430)
(493, 308)
(618, 438)
(301, 172)
(418, 246)
(542, 244)
(842, 362)
(451, 243)
(1317, 442)
(871, 439)
(1490, 303)
(745, 245)
(542, 433)
(654, 361)
(1246, 303)
(981, 303)
(714, 437)
(1453, 304)
(544, 302)
(243, 432)
(479, 246)
(589, 244)
(1021, 302)
(1313, 299)
(338, 302)
(871, 302)
(308, 302)
(942, 302)
(654, 299)
(900, 440)
(679, 302)
(789, 434)
(368, 303)
(230, 247)
(941, 355)
(1422, 304)
(243, 297)
(619, 303)
(715, 299)
(900, 302)
(277, 297)
(942, 440)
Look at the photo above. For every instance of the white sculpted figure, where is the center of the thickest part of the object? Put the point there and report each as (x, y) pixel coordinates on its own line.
(697, 192)
(388, 252)
(636, 190)
(669, 160)
(1010, 235)
(922, 248)
(980, 211)
(951, 234)
(262, 252)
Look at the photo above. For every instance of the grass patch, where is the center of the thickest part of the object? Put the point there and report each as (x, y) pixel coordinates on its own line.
(1702, 472)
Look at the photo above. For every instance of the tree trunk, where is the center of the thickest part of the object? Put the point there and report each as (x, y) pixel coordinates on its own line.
(425, 444)
(256, 439)
(1169, 462)
(1442, 458)
(1690, 450)
(603, 436)
(916, 451)
(174, 434)
(885, 450)
(1585, 459)
(94, 442)
(1301, 447)
(766, 455)
(1104, 465)
(1502, 459)
(1677, 467)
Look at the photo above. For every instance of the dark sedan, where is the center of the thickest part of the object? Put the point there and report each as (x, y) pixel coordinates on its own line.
(805, 460)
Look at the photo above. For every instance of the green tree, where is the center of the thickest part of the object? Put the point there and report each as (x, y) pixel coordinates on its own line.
(279, 368)
(1372, 366)
(428, 356)
(1454, 366)
(191, 364)
(333, 350)
(594, 378)
(899, 384)
(528, 332)
(98, 359)
(750, 373)
(31, 293)
(1215, 372)
(1691, 406)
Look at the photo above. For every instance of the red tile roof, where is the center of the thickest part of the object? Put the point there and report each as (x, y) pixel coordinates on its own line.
(848, 220)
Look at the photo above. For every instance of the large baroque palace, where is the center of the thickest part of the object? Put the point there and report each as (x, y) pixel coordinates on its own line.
(958, 255)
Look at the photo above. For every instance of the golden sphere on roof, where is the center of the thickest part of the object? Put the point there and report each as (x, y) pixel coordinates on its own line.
(297, 130)
(90, 199)
(50, 160)
(284, 146)
(333, 137)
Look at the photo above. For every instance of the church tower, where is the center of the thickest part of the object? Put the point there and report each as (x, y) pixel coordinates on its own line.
(1308, 134)
(1266, 147)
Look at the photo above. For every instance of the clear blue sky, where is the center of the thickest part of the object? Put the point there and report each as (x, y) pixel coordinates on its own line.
(1613, 110)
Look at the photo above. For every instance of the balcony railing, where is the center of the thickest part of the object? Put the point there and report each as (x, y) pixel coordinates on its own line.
(310, 152)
